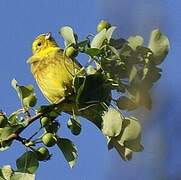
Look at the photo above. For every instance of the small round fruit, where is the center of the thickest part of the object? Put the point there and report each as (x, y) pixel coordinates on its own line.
(52, 127)
(42, 153)
(3, 120)
(45, 121)
(103, 25)
(49, 140)
(30, 101)
(71, 52)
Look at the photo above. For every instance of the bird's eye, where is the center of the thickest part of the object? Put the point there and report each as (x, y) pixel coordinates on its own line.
(39, 44)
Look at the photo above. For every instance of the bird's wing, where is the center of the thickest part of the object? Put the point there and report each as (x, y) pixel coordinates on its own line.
(72, 65)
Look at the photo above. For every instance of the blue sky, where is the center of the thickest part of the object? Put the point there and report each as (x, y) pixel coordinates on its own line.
(22, 21)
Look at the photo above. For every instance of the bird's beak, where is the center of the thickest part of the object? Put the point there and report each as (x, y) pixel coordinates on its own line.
(47, 35)
(31, 60)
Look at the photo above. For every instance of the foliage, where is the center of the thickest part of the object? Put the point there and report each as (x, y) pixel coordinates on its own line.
(125, 66)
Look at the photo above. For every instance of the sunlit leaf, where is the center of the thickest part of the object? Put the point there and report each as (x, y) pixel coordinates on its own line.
(68, 35)
(110, 32)
(6, 173)
(90, 70)
(98, 39)
(130, 135)
(69, 150)
(132, 129)
(112, 123)
(159, 44)
(22, 176)
(135, 41)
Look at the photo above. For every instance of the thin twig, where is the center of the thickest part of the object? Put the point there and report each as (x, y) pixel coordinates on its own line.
(34, 134)
(29, 120)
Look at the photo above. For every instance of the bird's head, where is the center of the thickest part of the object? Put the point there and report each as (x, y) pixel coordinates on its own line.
(42, 42)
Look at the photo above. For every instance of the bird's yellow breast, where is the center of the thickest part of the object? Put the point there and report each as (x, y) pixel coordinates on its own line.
(53, 77)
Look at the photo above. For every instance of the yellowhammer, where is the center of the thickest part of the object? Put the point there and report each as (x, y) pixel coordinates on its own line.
(52, 70)
(54, 73)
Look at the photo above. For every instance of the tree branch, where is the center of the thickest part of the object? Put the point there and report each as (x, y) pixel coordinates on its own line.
(30, 120)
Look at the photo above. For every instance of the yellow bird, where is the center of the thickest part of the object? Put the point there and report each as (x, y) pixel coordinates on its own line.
(52, 70)
(54, 73)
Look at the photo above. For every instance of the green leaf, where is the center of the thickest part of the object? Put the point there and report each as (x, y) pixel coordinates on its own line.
(132, 129)
(13, 118)
(124, 103)
(117, 43)
(6, 173)
(14, 84)
(128, 154)
(77, 82)
(25, 93)
(143, 99)
(151, 74)
(134, 145)
(112, 123)
(114, 50)
(27, 163)
(128, 140)
(3, 120)
(4, 134)
(22, 176)
(126, 51)
(69, 150)
(4, 146)
(159, 44)
(125, 153)
(135, 41)
(109, 143)
(87, 95)
(46, 108)
(99, 39)
(90, 70)
(93, 52)
(131, 134)
(110, 32)
(74, 125)
(132, 73)
(29, 101)
(121, 87)
(6, 131)
(83, 44)
(68, 35)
